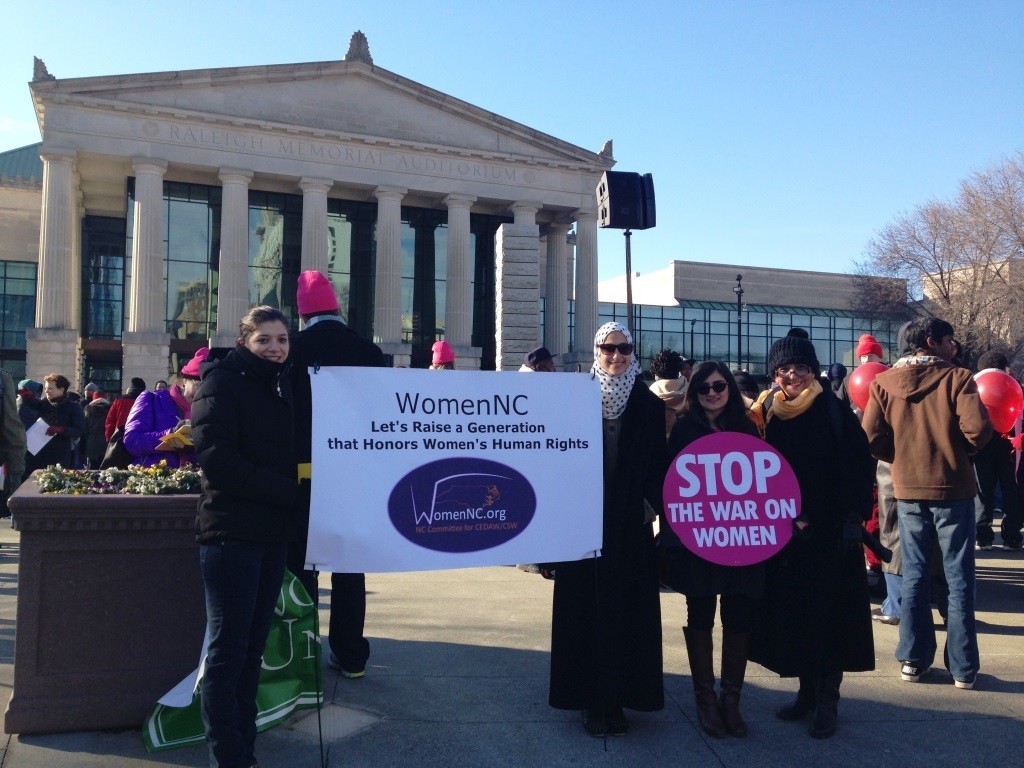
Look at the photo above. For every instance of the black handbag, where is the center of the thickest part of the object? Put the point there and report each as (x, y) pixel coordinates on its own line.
(116, 456)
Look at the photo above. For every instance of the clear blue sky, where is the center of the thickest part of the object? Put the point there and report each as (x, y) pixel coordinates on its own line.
(780, 133)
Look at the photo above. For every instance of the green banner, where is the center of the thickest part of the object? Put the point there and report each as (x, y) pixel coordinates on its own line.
(290, 679)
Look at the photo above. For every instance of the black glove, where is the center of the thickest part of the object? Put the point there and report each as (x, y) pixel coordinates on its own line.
(853, 533)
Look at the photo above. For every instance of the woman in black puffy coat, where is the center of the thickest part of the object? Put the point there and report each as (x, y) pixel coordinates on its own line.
(713, 404)
(242, 429)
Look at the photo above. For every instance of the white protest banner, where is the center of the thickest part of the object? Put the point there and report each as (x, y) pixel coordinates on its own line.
(731, 498)
(423, 470)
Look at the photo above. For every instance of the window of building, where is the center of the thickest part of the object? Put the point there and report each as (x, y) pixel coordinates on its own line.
(350, 260)
(275, 250)
(17, 312)
(424, 277)
(103, 277)
(482, 229)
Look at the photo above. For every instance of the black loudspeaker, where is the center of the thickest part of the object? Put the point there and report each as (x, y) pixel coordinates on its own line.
(626, 200)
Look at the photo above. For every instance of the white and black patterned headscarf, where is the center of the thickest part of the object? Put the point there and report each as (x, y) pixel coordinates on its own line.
(614, 389)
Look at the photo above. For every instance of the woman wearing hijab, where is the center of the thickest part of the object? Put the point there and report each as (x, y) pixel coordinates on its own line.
(242, 428)
(606, 617)
(816, 621)
(713, 404)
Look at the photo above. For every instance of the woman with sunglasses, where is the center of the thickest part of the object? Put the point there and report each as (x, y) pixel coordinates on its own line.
(815, 622)
(713, 404)
(606, 615)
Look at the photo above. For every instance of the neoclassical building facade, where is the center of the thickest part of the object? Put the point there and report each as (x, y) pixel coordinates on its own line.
(171, 202)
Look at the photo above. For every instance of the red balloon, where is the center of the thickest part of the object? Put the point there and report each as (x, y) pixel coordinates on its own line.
(858, 383)
(1002, 396)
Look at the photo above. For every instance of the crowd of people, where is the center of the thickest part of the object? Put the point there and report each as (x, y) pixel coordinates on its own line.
(911, 458)
(914, 455)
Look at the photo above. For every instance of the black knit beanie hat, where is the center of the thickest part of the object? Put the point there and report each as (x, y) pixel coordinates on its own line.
(792, 350)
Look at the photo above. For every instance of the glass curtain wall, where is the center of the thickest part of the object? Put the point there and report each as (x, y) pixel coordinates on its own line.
(707, 331)
(424, 279)
(191, 239)
(351, 248)
(17, 312)
(192, 216)
(275, 250)
(103, 283)
(482, 229)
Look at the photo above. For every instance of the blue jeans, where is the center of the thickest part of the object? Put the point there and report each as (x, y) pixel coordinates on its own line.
(243, 582)
(891, 606)
(952, 524)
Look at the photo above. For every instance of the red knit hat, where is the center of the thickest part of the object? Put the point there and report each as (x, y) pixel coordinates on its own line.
(191, 369)
(443, 353)
(868, 345)
(315, 294)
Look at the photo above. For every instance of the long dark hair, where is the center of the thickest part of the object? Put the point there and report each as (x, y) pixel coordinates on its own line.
(733, 415)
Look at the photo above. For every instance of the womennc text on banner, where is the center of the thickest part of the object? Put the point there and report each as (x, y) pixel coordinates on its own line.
(414, 471)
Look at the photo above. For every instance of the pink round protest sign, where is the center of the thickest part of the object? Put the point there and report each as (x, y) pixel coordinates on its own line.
(731, 498)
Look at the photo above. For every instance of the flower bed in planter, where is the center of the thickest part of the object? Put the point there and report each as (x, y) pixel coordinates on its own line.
(110, 601)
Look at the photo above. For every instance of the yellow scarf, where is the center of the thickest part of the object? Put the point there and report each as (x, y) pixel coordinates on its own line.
(782, 407)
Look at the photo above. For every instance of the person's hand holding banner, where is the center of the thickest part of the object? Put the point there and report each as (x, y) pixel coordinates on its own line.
(731, 499)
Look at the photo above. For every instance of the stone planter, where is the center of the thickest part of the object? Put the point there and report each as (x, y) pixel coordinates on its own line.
(110, 608)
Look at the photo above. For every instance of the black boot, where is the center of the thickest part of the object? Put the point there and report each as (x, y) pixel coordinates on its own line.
(802, 705)
(702, 670)
(826, 712)
(735, 648)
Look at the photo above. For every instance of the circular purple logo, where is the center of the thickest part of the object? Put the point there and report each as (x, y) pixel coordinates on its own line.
(731, 498)
(462, 505)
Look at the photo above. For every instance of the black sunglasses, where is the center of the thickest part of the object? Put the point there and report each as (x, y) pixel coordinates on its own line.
(611, 349)
(718, 386)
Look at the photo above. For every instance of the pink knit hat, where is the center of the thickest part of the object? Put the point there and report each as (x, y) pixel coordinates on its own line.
(191, 368)
(315, 294)
(868, 345)
(443, 353)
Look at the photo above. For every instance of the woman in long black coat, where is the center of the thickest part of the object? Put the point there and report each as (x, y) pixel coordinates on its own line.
(815, 622)
(713, 404)
(606, 618)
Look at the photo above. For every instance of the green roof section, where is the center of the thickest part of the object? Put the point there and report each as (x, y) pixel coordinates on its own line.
(22, 164)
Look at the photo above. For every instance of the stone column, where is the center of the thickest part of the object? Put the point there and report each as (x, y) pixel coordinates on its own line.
(56, 239)
(233, 274)
(145, 343)
(314, 223)
(586, 287)
(525, 212)
(517, 293)
(556, 307)
(52, 343)
(458, 311)
(387, 294)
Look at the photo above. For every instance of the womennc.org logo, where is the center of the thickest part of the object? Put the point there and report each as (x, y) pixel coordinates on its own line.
(462, 505)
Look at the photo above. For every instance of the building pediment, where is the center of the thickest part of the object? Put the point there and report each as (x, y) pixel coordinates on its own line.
(339, 99)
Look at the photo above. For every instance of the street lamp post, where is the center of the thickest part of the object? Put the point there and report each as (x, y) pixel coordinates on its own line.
(692, 354)
(738, 290)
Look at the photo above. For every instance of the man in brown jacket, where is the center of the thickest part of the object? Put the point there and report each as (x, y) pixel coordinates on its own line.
(925, 417)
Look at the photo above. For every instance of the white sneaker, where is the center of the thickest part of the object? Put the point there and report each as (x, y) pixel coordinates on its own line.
(911, 672)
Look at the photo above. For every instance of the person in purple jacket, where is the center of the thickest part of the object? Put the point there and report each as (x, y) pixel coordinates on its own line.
(161, 412)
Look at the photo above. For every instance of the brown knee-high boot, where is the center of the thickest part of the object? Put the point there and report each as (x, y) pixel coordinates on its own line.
(735, 649)
(702, 670)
